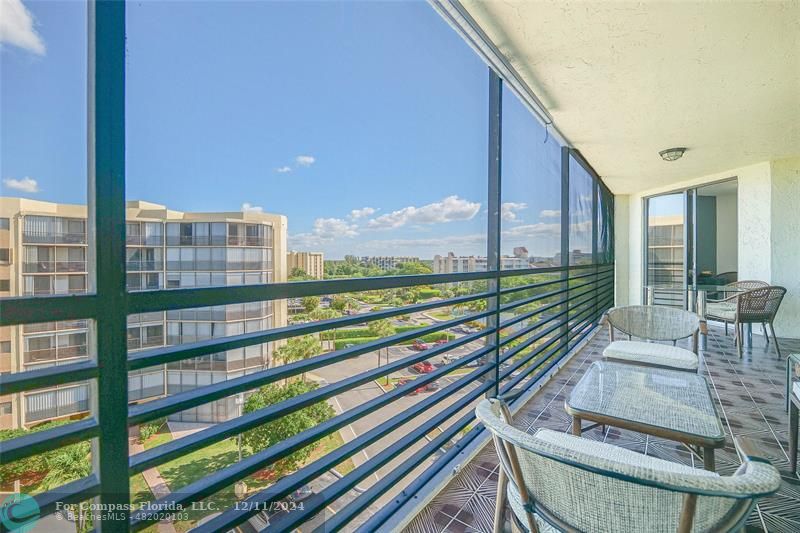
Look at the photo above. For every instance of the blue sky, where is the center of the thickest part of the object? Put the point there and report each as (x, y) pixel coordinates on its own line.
(364, 123)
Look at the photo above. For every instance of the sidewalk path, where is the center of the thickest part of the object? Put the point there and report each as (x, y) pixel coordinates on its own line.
(158, 486)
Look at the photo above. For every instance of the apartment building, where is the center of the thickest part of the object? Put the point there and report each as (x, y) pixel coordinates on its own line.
(388, 262)
(451, 263)
(44, 250)
(312, 263)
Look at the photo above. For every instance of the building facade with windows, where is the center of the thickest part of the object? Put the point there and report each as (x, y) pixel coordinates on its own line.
(312, 263)
(452, 263)
(45, 250)
(388, 262)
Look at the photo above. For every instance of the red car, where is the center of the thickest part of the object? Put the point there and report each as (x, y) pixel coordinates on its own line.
(419, 345)
(440, 342)
(423, 367)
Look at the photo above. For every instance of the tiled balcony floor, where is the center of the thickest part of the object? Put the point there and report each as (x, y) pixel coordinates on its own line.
(750, 396)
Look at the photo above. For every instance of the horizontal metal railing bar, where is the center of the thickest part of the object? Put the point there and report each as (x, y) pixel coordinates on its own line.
(362, 501)
(306, 474)
(186, 400)
(529, 341)
(170, 354)
(528, 329)
(175, 448)
(530, 314)
(545, 270)
(47, 377)
(518, 364)
(170, 299)
(535, 298)
(516, 380)
(228, 475)
(509, 290)
(73, 492)
(294, 480)
(46, 440)
(376, 520)
(50, 308)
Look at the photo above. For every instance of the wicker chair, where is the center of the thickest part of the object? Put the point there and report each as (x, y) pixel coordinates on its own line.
(758, 306)
(653, 323)
(554, 481)
(720, 308)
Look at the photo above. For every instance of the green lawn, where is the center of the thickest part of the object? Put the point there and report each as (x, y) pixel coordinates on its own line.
(190, 468)
(441, 315)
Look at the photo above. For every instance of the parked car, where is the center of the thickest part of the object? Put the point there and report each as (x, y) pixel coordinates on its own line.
(423, 367)
(301, 494)
(428, 387)
(419, 345)
(440, 342)
(449, 358)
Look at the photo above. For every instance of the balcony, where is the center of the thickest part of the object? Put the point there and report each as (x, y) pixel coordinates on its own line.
(749, 394)
(361, 406)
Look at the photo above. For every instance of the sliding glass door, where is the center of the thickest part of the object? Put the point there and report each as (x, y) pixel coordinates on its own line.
(666, 258)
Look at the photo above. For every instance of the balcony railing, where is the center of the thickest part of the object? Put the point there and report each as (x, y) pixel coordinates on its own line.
(29, 237)
(547, 319)
(53, 266)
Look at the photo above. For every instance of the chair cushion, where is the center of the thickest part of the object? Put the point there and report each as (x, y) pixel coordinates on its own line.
(723, 310)
(652, 353)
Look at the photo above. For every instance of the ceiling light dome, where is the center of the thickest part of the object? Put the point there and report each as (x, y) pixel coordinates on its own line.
(671, 154)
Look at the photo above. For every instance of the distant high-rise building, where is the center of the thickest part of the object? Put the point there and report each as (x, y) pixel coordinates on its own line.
(521, 252)
(388, 262)
(312, 263)
(44, 250)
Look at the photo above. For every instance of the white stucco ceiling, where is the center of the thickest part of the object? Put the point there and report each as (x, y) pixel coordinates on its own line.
(625, 80)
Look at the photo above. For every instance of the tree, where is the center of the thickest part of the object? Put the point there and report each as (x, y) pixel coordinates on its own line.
(297, 349)
(65, 465)
(382, 328)
(344, 303)
(310, 303)
(279, 430)
(326, 314)
(298, 274)
(412, 268)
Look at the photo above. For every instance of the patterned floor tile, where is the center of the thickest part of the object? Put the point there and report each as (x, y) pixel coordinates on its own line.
(748, 392)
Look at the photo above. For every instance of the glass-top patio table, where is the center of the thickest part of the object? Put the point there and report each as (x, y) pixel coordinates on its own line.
(663, 403)
(696, 299)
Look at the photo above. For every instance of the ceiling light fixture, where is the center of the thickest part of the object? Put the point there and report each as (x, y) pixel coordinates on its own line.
(671, 154)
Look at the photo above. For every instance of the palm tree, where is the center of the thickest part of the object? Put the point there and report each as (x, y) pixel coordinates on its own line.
(382, 328)
(70, 463)
(298, 349)
(326, 314)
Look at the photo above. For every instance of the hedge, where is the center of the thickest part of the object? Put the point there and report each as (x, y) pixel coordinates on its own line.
(353, 333)
(430, 337)
(424, 294)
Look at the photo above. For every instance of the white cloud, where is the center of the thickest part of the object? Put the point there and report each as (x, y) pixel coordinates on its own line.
(16, 27)
(250, 208)
(355, 214)
(439, 243)
(325, 230)
(26, 184)
(550, 213)
(508, 211)
(534, 230)
(283, 170)
(305, 160)
(449, 209)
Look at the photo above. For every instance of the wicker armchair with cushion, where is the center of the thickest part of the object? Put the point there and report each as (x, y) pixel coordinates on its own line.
(724, 308)
(558, 482)
(756, 306)
(653, 323)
